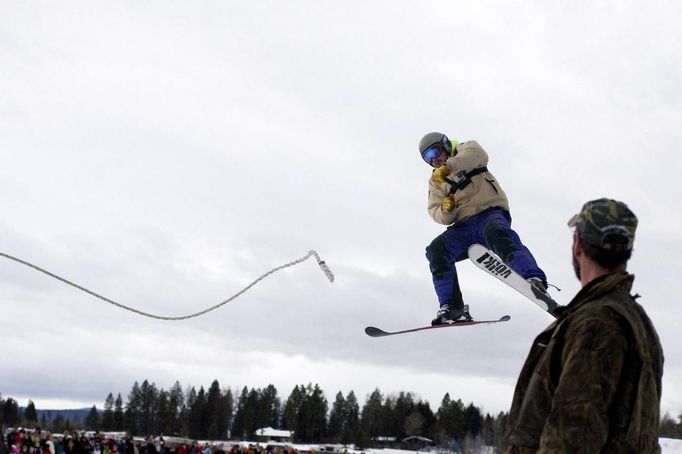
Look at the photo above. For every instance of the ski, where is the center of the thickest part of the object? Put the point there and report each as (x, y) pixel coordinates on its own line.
(377, 332)
(489, 262)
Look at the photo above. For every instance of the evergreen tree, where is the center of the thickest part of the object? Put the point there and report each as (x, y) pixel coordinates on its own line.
(133, 410)
(269, 407)
(389, 426)
(238, 426)
(226, 412)
(30, 414)
(92, 420)
(430, 423)
(164, 414)
(176, 401)
(292, 409)
(451, 420)
(213, 403)
(68, 426)
(148, 408)
(351, 427)
(413, 424)
(373, 415)
(403, 409)
(198, 427)
(337, 417)
(501, 428)
(472, 416)
(305, 413)
(107, 422)
(488, 430)
(118, 414)
(251, 416)
(223, 415)
(315, 410)
(10, 412)
(668, 426)
(187, 415)
(445, 420)
(57, 424)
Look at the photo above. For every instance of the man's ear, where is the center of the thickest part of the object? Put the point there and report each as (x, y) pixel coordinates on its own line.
(577, 245)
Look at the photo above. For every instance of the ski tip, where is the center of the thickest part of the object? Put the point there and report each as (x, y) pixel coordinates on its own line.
(374, 331)
(505, 318)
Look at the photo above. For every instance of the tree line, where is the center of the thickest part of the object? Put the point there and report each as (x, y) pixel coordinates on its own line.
(671, 427)
(217, 414)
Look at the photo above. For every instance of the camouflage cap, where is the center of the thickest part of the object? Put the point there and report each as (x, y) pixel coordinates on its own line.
(606, 223)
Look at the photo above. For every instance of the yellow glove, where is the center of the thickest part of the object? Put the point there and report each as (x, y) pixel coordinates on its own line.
(438, 175)
(448, 204)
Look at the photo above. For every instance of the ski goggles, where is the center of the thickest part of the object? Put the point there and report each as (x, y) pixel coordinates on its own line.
(432, 152)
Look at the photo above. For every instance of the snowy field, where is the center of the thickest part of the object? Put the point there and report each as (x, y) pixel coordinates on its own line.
(667, 446)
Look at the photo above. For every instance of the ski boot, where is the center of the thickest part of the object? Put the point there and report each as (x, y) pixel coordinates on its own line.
(539, 288)
(540, 285)
(447, 315)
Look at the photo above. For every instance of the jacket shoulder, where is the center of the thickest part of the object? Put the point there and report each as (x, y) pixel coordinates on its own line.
(597, 318)
(469, 145)
(469, 156)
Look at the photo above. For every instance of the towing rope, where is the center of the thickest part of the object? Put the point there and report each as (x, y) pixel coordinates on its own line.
(323, 266)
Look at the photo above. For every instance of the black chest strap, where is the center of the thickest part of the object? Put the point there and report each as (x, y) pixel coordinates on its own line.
(462, 179)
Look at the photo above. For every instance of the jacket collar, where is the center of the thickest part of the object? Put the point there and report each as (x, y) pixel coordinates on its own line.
(620, 282)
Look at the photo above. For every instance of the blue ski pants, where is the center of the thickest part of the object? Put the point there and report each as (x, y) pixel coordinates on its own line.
(491, 228)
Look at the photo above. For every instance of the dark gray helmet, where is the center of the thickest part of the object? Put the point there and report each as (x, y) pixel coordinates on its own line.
(433, 138)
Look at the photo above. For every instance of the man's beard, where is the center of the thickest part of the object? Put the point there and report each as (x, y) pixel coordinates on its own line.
(576, 267)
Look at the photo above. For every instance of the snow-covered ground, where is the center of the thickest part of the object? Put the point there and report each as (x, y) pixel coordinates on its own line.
(667, 446)
(670, 445)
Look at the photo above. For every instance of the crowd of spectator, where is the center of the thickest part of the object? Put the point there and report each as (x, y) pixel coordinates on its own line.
(37, 441)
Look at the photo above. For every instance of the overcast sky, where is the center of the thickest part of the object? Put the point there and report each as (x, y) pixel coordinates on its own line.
(165, 154)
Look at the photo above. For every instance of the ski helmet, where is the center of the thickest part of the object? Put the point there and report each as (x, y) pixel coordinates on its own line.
(434, 138)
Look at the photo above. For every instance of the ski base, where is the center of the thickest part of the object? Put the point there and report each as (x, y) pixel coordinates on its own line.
(488, 261)
(373, 331)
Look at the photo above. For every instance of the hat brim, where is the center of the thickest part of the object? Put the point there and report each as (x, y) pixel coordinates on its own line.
(574, 220)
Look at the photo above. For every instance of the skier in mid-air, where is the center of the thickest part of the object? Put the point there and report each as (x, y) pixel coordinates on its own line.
(465, 196)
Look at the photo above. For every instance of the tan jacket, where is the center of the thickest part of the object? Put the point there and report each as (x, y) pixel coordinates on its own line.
(592, 380)
(483, 192)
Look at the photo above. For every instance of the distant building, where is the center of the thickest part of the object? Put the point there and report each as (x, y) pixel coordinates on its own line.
(270, 434)
(415, 442)
(383, 442)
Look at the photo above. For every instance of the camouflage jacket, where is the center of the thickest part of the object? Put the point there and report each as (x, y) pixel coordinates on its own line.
(592, 380)
(482, 193)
